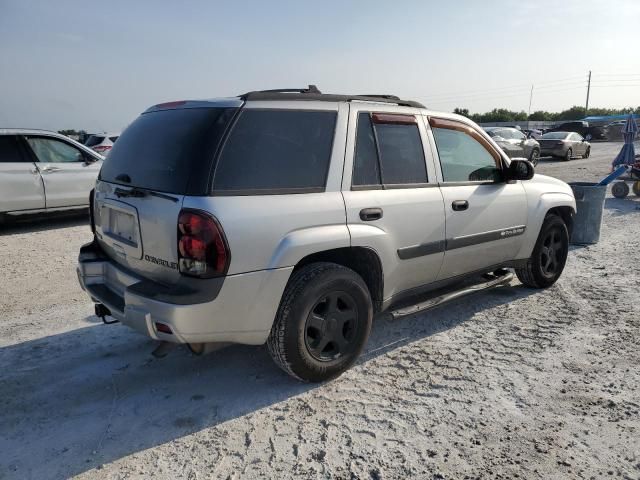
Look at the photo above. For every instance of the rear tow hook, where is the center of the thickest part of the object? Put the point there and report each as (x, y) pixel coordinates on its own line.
(103, 312)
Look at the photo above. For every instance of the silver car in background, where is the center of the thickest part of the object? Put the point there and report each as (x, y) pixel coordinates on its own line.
(42, 171)
(515, 143)
(565, 145)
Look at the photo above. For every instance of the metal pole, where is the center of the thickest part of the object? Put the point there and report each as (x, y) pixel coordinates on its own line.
(530, 100)
(586, 106)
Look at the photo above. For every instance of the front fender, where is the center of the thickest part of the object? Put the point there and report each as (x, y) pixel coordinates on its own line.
(538, 208)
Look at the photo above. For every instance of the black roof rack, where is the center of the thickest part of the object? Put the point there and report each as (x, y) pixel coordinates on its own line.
(312, 93)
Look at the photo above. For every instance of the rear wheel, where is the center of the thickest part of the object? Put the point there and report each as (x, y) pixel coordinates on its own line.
(568, 155)
(323, 322)
(587, 153)
(549, 256)
(620, 189)
(636, 187)
(534, 157)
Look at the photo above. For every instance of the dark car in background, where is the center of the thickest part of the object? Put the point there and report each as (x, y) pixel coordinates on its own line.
(589, 132)
(515, 143)
(565, 145)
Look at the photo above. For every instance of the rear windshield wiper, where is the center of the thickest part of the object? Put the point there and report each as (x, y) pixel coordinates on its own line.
(133, 192)
(139, 193)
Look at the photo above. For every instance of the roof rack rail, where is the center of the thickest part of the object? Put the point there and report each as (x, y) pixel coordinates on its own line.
(309, 89)
(313, 93)
(388, 97)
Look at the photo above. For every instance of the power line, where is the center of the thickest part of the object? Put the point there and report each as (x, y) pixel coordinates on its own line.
(546, 84)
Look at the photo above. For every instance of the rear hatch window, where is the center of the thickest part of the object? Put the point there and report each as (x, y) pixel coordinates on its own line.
(168, 150)
(94, 140)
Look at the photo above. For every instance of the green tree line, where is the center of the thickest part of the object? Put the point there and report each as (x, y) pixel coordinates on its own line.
(573, 113)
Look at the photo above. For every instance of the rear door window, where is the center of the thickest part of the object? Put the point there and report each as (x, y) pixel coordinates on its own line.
(276, 151)
(366, 170)
(388, 151)
(168, 150)
(10, 149)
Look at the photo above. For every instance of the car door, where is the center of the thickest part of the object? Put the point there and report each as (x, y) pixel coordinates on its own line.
(68, 172)
(485, 215)
(21, 186)
(393, 203)
(578, 144)
(518, 143)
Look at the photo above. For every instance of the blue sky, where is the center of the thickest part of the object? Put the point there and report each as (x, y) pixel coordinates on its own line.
(97, 65)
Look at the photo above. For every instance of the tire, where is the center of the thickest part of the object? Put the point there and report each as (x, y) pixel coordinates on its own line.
(549, 256)
(620, 189)
(307, 339)
(534, 157)
(568, 155)
(636, 188)
(587, 153)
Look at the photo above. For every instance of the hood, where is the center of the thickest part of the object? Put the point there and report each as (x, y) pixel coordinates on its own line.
(550, 184)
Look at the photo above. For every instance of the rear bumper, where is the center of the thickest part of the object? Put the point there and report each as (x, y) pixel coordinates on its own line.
(237, 309)
(559, 151)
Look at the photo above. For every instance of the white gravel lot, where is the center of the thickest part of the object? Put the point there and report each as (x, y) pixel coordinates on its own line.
(505, 384)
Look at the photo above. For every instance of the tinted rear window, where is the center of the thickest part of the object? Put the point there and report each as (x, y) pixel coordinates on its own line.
(554, 136)
(94, 140)
(113, 139)
(168, 150)
(276, 151)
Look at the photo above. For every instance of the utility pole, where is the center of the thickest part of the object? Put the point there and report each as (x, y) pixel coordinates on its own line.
(530, 100)
(586, 106)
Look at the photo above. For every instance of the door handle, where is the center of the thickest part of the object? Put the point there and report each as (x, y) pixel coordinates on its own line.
(370, 214)
(49, 169)
(459, 205)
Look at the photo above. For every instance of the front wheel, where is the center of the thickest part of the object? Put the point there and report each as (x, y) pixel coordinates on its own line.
(323, 322)
(534, 157)
(549, 256)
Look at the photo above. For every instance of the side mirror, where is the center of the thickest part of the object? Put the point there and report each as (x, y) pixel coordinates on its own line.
(520, 169)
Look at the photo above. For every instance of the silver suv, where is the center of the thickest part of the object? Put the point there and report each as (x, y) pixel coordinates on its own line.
(292, 217)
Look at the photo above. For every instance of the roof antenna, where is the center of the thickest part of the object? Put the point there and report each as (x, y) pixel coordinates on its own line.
(312, 89)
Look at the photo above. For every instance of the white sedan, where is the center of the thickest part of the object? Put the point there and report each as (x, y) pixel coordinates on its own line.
(42, 171)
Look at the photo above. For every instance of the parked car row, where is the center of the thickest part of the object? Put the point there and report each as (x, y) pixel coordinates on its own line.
(561, 144)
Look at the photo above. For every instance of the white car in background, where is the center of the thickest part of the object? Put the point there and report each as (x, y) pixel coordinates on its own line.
(102, 142)
(43, 171)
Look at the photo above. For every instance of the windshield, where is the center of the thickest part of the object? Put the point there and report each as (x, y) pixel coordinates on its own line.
(555, 135)
(168, 150)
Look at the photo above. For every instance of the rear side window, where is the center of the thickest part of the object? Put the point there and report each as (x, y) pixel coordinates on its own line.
(168, 150)
(9, 149)
(388, 151)
(113, 139)
(276, 151)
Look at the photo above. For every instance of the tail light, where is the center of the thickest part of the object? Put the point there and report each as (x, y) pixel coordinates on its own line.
(92, 195)
(102, 148)
(202, 247)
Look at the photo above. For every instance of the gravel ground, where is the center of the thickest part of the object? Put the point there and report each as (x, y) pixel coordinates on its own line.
(505, 384)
